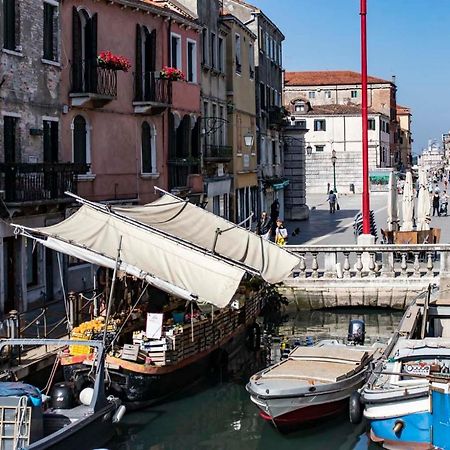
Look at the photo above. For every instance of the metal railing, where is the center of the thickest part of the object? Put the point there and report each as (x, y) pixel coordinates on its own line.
(218, 153)
(24, 182)
(276, 116)
(151, 88)
(88, 77)
(180, 169)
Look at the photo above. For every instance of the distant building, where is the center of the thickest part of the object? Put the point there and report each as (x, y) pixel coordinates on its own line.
(344, 87)
(405, 137)
(338, 128)
(432, 157)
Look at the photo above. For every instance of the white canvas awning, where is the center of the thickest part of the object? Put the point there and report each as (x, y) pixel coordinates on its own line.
(93, 234)
(214, 234)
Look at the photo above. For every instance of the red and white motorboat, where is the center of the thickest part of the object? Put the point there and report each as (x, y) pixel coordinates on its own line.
(312, 383)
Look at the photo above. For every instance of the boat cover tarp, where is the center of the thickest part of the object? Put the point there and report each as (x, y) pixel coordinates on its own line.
(179, 218)
(18, 389)
(94, 235)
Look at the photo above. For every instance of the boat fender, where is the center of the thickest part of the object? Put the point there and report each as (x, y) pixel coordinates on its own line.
(355, 408)
(254, 337)
(86, 396)
(119, 414)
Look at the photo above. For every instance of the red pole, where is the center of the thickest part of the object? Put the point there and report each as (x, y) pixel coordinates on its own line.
(365, 139)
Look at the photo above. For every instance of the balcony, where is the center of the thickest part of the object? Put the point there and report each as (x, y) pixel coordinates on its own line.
(39, 183)
(218, 153)
(276, 116)
(152, 95)
(92, 85)
(180, 169)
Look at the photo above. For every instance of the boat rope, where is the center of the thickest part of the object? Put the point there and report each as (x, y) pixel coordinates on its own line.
(66, 306)
(47, 387)
(128, 316)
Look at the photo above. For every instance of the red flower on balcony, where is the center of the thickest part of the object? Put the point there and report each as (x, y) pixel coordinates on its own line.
(172, 74)
(114, 62)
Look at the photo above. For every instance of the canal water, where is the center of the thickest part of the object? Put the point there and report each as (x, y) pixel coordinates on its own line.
(220, 416)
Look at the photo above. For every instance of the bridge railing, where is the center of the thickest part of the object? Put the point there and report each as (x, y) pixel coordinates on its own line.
(389, 261)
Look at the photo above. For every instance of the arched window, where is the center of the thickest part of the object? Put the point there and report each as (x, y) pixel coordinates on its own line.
(81, 150)
(148, 148)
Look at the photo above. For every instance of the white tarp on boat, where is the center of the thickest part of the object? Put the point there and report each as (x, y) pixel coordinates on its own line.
(186, 221)
(94, 235)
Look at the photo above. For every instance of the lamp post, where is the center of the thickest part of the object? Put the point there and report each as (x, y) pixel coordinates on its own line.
(248, 139)
(333, 161)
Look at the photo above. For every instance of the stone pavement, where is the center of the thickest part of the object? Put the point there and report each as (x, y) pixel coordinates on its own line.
(324, 228)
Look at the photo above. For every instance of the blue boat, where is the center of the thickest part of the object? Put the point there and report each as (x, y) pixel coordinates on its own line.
(407, 398)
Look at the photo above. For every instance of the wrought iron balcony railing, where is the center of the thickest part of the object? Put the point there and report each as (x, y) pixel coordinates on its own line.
(22, 182)
(276, 116)
(151, 88)
(218, 153)
(88, 77)
(180, 169)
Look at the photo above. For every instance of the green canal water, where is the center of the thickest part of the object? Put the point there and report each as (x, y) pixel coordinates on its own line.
(221, 416)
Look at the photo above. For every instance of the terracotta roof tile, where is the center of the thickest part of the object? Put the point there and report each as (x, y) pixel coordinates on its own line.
(330, 110)
(327, 77)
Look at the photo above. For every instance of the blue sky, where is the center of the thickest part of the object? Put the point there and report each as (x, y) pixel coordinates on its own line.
(407, 38)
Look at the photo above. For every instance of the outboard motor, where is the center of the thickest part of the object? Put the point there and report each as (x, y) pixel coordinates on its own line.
(62, 396)
(356, 332)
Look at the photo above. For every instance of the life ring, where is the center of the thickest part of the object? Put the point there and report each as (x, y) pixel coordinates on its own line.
(355, 408)
(254, 337)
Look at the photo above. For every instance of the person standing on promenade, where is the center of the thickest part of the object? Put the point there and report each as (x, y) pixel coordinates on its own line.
(274, 213)
(436, 198)
(281, 234)
(264, 226)
(332, 200)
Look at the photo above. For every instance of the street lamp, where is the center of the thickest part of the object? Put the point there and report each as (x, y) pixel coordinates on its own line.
(333, 161)
(309, 150)
(248, 139)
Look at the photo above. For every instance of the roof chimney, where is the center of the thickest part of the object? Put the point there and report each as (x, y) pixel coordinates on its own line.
(393, 79)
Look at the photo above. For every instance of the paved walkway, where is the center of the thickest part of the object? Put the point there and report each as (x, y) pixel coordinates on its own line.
(324, 228)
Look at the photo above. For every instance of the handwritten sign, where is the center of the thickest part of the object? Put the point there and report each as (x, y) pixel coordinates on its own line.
(153, 330)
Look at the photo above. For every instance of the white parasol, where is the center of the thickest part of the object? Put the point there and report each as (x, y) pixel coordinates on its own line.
(408, 204)
(423, 203)
(392, 219)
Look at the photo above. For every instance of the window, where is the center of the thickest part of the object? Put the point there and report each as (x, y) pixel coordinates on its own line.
(51, 140)
(10, 25)
(81, 141)
(327, 94)
(274, 153)
(300, 123)
(148, 149)
(251, 60)
(32, 263)
(371, 124)
(320, 148)
(220, 55)
(354, 94)
(383, 126)
(222, 125)
(387, 128)
(191, 61)
(10, 138)
(145, 85)
(262, 95)
(175, 51)
(311, 94)
(267, 43)
(213, 50)
(205, 46)
(299, 107)
(50, 32)
(237, 49)
(319, 125)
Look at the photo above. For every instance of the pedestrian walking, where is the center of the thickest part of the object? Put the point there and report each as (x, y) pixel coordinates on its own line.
(436, 199)
(264, 225)
(274, 213)
(332, 201)
(281, 234)
(444, 203)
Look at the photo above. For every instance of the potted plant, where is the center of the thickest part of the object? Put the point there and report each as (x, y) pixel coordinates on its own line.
(172, 74)
(114, 62)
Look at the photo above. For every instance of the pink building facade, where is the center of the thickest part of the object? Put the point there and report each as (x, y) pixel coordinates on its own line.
(134, 129)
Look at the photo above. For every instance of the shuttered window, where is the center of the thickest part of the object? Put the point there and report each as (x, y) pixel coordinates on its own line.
(9, 24)
(146, 148)
(50, 141)
(80, 143)
(9, 138)
(50, 29)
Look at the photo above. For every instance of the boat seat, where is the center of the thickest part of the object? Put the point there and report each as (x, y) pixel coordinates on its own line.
(342, 353)
(409, 322)
(320, 371)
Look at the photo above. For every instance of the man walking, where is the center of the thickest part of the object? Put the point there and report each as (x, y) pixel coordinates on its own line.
(436, 198)
(264, 226)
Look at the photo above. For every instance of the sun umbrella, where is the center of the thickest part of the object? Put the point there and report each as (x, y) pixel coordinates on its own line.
(408, 204)
(423, 203)
(392, 219)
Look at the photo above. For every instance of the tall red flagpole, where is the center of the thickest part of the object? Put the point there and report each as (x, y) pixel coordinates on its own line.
(365, 140)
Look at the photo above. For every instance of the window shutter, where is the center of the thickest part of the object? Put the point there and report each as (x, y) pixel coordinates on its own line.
(93, 52)
(48, 31)
(138, 68)
(9, 24)
(9, 138)
(79, 140)
(146, 148)
(54, 140)
(47, 141)
(77, 63)
(149, 68)
(153, 50)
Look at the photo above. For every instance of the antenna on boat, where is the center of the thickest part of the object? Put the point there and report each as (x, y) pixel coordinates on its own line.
(425, 312)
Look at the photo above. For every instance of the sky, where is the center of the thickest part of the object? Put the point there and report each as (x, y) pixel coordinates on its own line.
(406, 38)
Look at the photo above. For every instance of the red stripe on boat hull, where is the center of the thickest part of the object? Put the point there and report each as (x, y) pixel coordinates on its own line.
(306, 414)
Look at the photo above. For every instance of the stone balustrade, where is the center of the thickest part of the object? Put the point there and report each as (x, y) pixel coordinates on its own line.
(376, 275)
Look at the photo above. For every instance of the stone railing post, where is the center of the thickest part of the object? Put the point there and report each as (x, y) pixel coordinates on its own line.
(330, 261)
(315, 266)
(302, 265)
(404, 265)
(430, 264)
(445, 263)
(387, 269)
(346, 267)
(359, 264)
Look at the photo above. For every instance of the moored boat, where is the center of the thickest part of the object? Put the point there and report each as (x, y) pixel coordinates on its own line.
(313, 382)
(407, 399)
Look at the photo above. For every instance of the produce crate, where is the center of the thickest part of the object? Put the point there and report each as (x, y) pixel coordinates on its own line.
(77, 350)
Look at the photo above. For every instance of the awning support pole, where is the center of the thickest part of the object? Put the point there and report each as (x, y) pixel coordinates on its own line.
(111, 292)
